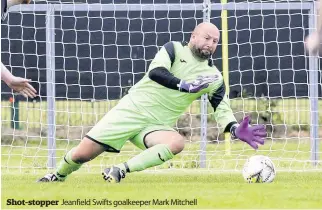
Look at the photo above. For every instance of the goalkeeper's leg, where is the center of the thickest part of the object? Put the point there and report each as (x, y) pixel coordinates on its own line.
(73, 160)
(110, 134)
(161, 147)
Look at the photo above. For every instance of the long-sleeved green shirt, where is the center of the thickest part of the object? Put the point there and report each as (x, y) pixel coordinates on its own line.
(166, 105)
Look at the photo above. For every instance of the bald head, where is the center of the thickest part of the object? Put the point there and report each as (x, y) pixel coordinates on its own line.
(204, 40)
(206, 26)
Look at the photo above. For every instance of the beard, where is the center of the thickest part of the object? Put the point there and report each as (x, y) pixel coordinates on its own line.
(200, 54)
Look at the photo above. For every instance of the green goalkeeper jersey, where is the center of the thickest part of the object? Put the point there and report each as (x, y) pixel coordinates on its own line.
(165, 105)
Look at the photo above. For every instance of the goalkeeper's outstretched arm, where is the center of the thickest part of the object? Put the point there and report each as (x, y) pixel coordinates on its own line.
(223, 113)
(252, 135)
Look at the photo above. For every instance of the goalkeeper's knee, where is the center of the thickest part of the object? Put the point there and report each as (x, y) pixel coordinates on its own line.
(177, 146)
(87, 150)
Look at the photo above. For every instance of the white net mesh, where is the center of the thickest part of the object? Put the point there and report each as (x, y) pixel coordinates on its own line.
(101, 51)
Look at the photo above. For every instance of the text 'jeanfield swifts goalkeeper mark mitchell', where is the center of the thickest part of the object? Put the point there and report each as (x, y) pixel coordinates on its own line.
(128, 202)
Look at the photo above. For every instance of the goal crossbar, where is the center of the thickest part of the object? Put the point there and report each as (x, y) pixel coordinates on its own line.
(162, 7)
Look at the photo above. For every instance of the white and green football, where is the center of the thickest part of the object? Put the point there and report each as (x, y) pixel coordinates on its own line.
(259, 169)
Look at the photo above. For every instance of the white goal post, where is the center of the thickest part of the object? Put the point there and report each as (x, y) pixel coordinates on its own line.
(94, 52)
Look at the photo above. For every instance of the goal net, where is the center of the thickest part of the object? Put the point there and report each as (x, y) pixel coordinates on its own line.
(82, 58)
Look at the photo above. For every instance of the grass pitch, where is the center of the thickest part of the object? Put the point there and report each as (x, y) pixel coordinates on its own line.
(159, 190)
(22, 165)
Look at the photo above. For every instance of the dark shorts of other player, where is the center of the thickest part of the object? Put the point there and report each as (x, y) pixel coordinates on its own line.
(3, 9)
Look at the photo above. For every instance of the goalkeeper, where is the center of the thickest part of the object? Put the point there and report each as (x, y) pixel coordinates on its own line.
(178, 75)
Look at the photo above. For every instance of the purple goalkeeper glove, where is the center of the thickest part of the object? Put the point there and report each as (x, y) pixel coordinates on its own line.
(252, 135)
(199, 84)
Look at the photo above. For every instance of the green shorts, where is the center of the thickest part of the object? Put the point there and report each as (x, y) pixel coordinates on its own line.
(124, 122)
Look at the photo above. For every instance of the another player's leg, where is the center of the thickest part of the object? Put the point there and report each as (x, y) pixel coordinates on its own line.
(73, 160)
(11, 3)
(313, 42)
(6, 4)
(162, 146)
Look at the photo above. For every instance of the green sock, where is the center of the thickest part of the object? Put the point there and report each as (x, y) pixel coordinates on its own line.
(66, 166)
(153, 156)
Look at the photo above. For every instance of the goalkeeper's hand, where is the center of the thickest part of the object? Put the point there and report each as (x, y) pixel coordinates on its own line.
(199, 84)
(252, 135)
